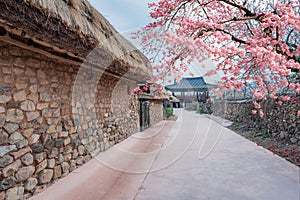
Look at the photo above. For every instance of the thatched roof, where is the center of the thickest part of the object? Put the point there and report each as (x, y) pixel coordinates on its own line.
(154, 94)
(71, 29)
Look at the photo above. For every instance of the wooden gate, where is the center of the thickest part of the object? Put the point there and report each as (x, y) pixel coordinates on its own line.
(144, 114)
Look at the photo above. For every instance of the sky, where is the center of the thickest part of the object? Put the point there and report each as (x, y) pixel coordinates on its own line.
(124, 15)
(128, 16)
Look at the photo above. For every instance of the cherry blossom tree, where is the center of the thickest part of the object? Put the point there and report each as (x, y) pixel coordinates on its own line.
(252, 41)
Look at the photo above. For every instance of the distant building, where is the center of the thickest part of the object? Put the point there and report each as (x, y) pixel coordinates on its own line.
(151, 106)
(190, 89)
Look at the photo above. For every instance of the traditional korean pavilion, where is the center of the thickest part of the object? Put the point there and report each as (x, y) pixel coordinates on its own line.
(190, 89)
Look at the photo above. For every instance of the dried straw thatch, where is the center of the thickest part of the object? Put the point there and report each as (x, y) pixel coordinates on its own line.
(71, 28)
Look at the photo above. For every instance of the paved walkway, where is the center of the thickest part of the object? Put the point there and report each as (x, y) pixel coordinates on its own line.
(192, 158)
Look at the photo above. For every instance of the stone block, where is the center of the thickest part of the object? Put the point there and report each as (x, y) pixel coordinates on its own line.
(67, 141)
(21, 152)
(72, 130)
(32, 115)
(30, 72)
(2, 120)
(39, 157)
(81, 150)
(76, 143)
(51, 163)
(33, 62)
(27, 159)
(6, 160)
(6, 149)
(53, 152)
(3, 137)
(7, 183)
(14, 115)
(34, 139)
(59, 143)
(27, 106)
(28, 132)
(45, 176)
(54, 105)
(22, 144)
(63, 134)
(87, 158)
(33, 97)
(2, 109)
(33, 89)
(25, 173)
(19, 62)
(15, 193)
(45, 96)
(41, 74)
(51, 129)
(15, 137)
(4, 99)
(80, 160)
(11, 105)
(20, 96)
(49, 144)
(57, 172)
(8, 79)
(60, 159)
(47, 113)
(75, 154)
(68, 157)
(40, 129)
(12, 168)
(67, 149)
(56, 113)
(30, 184)
(73, 165)
(18, 71)
(11, 127)
(37, 148)
(41, 166)
(21, 86)
(42, 106)
(65, 167)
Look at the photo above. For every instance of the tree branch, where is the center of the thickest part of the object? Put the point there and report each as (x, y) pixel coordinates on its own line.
(248, 12)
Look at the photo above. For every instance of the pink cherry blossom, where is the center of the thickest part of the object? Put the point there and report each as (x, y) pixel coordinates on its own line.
(253, 42)
(254, 112)
(261, 113)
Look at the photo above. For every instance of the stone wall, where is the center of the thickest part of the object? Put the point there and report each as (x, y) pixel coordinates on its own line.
(52, 122)
(280, 121)
(156, 111)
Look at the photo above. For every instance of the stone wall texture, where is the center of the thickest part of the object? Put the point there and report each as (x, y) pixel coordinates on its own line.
(156, 111)
(53, 120)
(280, 121)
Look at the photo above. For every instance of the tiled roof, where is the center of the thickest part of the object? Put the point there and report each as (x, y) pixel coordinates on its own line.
(194, 83)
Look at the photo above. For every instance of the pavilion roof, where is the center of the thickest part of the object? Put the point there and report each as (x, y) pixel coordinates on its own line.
(190, 84)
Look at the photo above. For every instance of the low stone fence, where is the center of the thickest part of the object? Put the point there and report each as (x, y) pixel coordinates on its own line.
(156, 111)
(50, 124)
(280, 121)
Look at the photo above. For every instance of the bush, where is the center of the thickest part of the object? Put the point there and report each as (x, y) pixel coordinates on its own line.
(169, 112)
(200, 112)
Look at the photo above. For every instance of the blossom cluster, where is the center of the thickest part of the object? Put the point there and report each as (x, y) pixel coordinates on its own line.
(251, 42)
